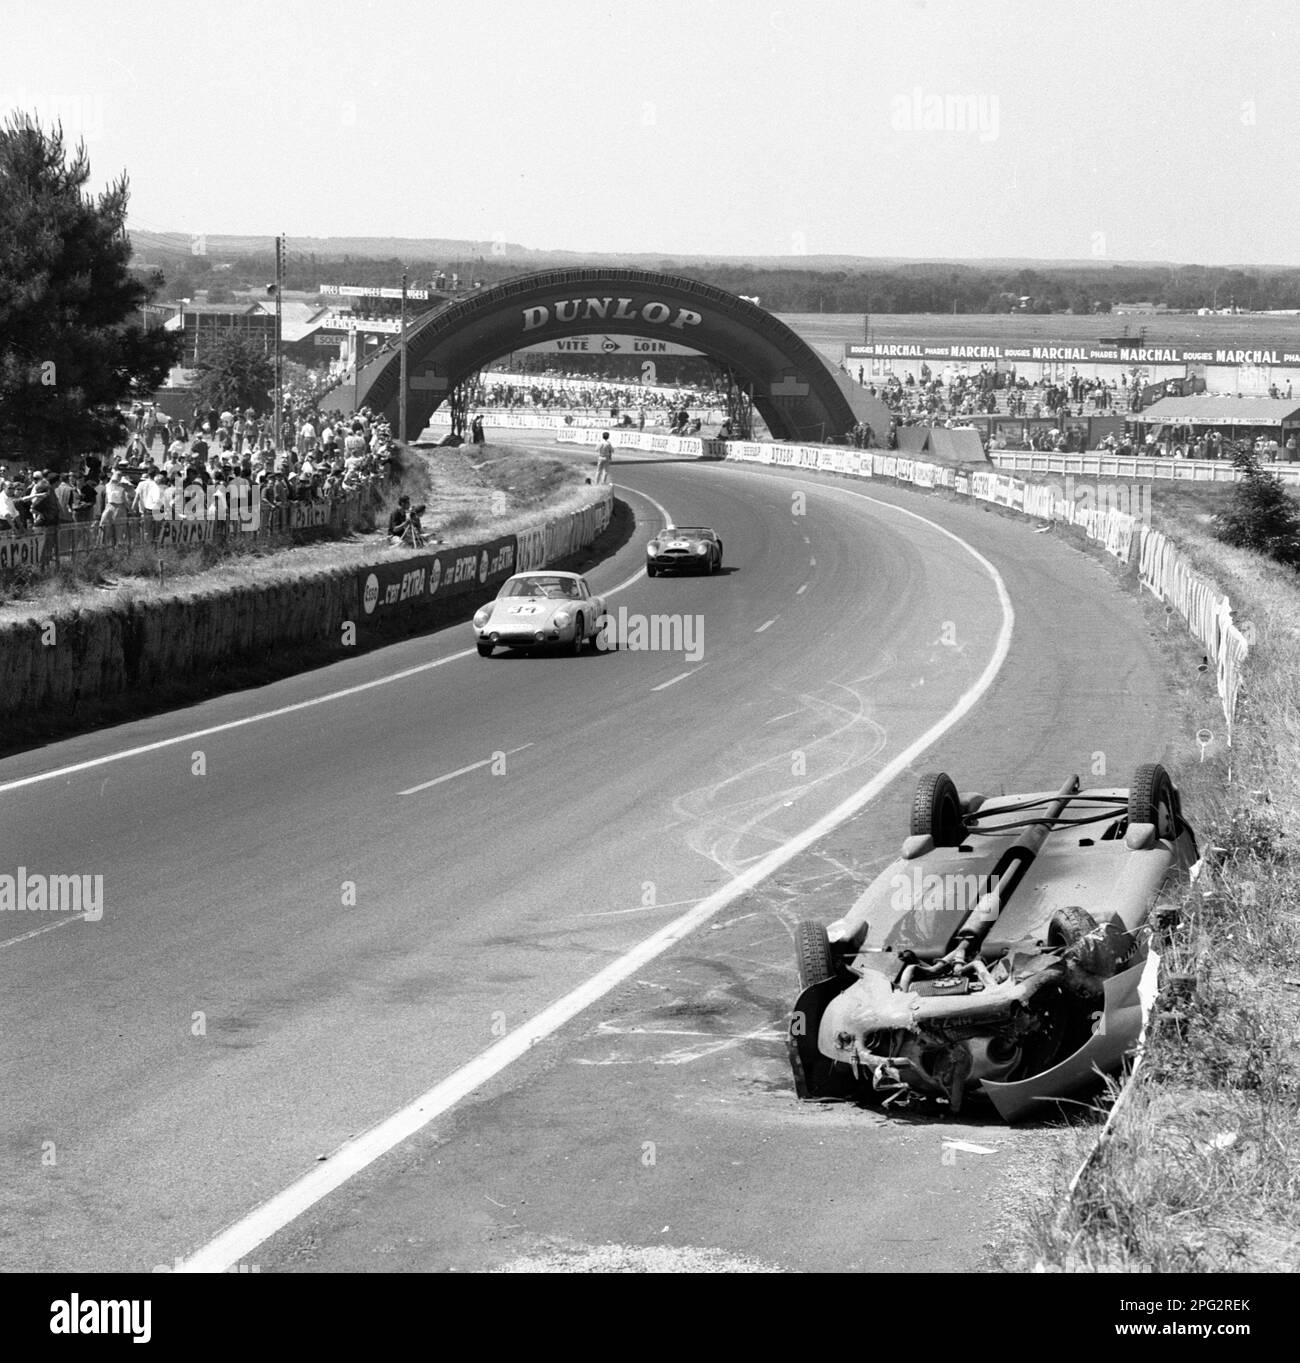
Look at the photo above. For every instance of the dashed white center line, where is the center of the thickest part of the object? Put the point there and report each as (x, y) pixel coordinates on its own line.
(36, 932)
(767, 625)
(802, 589)
(460, 771)
(672, 681)
(812, 562)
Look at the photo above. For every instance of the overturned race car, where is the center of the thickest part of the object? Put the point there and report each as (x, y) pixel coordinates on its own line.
(1002, 957)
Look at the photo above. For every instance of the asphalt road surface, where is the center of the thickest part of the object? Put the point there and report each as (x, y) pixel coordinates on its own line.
(312, 918)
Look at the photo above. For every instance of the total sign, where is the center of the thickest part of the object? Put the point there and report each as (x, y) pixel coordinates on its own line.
(654, 313)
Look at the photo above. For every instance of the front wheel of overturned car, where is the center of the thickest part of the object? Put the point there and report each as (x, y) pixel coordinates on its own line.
(1152, 799)
(936, 810)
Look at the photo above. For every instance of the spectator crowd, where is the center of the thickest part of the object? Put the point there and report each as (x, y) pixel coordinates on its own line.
(206, 467)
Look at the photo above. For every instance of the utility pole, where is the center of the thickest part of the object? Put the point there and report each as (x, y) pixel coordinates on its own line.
(279, 370)
(401, 418)
(357, 351)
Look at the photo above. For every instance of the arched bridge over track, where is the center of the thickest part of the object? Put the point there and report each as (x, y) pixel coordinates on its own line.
(794, 389)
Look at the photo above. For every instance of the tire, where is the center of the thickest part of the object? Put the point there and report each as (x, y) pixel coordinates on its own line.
(1152, 799)
(1097, 948)
(579, 636)
(651, 570)
(485, 650)
(936, 810)
(813, 956)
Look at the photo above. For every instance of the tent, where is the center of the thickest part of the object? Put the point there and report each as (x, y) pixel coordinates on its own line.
(962, 446)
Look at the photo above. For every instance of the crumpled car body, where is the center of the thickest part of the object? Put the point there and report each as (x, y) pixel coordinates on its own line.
(1001, 957)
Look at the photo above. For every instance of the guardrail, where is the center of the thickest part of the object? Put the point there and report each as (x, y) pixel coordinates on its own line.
(1097, 465)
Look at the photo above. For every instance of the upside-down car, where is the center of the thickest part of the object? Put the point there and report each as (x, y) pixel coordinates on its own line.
(1002, 957)
(540, 610)
(677, 548)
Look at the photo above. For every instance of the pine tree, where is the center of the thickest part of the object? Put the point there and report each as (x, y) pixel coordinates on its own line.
(1262, 515)
(235, 373)
(72, 342)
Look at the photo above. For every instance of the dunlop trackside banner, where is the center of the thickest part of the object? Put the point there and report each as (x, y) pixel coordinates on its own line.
(643, 440)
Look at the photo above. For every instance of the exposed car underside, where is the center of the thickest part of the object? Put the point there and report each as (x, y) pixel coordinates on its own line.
(1002, 956)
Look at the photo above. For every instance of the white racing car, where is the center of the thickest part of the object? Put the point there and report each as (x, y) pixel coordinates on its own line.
(543, 609)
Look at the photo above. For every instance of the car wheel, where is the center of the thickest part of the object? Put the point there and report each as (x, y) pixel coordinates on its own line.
(936, 810)
(579, 635)
(1152, 799)
(485, 650)
(813, 955)
(651, 570)
(1097, 948)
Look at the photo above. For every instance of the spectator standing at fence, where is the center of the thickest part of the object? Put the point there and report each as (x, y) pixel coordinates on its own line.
(148, 501)
(46, 515)
(64, 493)
(117, 496)
(9, 517)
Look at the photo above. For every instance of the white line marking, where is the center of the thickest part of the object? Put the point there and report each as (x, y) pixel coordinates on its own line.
(238, 1240)
(802, 589)
(789, 714)
(640, 908)
(36, 932)
(812, 562)
(681, 676)
(771, 622)
(460, 771)
(75, 767)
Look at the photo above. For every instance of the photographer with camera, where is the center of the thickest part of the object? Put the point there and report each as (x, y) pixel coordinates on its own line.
(404, 523)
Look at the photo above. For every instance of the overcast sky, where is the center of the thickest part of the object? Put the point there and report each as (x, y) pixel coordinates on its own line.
(1137, 130)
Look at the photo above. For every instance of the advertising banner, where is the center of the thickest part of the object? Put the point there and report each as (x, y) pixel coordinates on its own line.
(183, 531)
(1007, 351)
(22, 551)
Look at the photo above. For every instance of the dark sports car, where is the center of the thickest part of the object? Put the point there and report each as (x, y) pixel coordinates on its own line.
(683, 548)
(1003, 956)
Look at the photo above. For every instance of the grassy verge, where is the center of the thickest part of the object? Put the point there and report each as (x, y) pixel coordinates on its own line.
(1202, 1172)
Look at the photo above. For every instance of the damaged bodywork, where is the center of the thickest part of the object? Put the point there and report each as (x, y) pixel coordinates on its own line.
(1001, 957)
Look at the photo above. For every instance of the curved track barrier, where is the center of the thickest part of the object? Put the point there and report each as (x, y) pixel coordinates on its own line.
(1162, 568)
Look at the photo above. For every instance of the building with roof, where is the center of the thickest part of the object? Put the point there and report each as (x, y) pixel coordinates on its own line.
(1173, 420)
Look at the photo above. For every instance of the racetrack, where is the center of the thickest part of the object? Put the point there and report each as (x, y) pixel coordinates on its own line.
(634, 785)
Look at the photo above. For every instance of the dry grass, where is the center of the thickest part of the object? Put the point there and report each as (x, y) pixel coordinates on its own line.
(1203, 1172)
